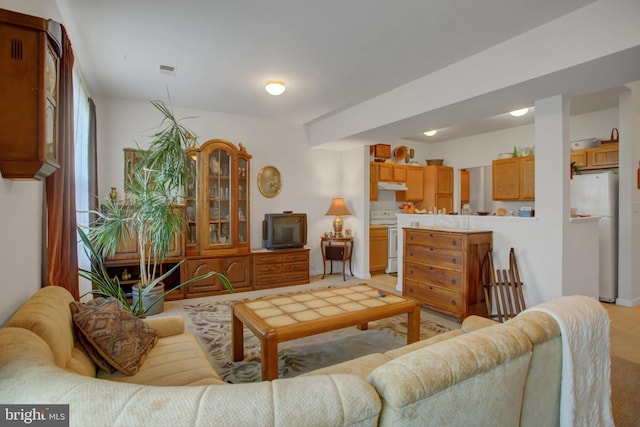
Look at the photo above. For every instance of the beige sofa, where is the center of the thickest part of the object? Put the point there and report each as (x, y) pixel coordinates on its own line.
(483, 374)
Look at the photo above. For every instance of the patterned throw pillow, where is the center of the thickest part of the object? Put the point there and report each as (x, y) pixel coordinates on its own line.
(77, 307)
(121, 338)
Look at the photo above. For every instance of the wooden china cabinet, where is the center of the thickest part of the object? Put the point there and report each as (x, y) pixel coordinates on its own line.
(217, 209)
(30, 51)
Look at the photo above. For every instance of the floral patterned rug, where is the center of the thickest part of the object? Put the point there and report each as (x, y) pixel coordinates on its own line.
(211, 324)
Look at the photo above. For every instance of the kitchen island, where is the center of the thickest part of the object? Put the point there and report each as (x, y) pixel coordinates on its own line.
(527, 236)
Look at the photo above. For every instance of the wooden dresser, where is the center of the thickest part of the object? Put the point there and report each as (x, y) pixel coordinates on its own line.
(282, 267)
(442, 269)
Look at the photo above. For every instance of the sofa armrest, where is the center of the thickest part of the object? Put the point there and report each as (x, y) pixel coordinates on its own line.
(166, 326)
(473, 323)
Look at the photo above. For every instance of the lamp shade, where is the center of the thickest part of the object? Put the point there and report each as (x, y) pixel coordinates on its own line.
(338, 207)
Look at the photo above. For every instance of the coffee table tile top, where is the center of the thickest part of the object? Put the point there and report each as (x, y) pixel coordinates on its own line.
(282, 311)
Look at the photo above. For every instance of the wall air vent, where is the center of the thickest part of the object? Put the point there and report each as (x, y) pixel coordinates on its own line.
(16, 49)
(169, 70)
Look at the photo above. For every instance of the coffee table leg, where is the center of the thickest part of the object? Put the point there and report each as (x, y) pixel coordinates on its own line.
(269, 353)
(237, 339)
(363, 326)
(413, 325)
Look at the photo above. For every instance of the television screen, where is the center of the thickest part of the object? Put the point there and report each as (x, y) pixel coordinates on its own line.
(286, 230)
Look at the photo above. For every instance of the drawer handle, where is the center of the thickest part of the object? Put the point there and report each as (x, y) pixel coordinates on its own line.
(430, 268)
(430, 288)
(453, 281)
(431, 235)
(454, 261)
(410, 237)
(411, 290)
(453, 302)
(454, 242)
(411, 271)
(411, 253)
(432, 249)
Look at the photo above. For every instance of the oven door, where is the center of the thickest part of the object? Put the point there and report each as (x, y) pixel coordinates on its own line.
(392, 250)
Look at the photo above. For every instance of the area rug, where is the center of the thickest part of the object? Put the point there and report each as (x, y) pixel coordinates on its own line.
(210, 322)
(625, 392)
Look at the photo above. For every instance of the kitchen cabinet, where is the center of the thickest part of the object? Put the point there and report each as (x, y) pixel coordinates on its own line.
(603, 157)
(392, 172)
(465, 185)
(373, 181)
(378, 242)
(415, 185)
(442, 269)
(438, 188)
(513, 178)
(31, 51)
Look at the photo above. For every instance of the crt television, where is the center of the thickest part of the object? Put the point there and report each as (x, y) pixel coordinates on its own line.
(284, 230)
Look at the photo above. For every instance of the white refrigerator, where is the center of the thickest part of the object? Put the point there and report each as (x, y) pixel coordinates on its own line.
(597, 194)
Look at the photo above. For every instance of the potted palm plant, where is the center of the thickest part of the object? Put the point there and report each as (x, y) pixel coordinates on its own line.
(149, 216)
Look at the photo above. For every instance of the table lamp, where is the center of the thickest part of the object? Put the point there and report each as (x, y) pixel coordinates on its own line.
(338, 208)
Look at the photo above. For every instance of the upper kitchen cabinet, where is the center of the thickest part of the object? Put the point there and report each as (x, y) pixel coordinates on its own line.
(373, 181)
(603, 157)
(218, 200)
(438, 188)
(414, 180)
(465, 186)
(514, 178)
(392, 172)
(30, 50)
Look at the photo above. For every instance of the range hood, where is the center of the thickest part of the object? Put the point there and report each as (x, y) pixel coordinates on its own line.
(392, 186)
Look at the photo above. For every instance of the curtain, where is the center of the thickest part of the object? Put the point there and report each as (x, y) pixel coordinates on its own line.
(62, 256)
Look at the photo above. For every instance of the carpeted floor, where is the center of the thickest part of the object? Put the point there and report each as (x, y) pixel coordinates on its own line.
(625, 392)
(209, 319)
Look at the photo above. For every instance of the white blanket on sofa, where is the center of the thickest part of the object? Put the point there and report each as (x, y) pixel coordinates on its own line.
(585, 392)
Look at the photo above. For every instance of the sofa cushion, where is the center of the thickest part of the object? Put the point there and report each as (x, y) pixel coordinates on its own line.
(174, 360)
(117, 335)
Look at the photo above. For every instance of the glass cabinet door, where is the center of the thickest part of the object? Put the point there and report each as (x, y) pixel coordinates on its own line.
(220, 220)
(191, 194)
(243, 202)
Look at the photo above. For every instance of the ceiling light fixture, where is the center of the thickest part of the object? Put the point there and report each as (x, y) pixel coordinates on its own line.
(275, 87)
(430, 132)
(519, 113)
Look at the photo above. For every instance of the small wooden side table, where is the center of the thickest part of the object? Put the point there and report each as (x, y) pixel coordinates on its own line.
(336, 249)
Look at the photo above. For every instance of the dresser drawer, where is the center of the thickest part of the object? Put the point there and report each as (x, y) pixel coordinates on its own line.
(293, 257)
(443, 277)
(268, 259)
(434, 239)
(296, 276)
(453, 259)
(434, 296)
(269, 279)
(295, 266)
(269, 268)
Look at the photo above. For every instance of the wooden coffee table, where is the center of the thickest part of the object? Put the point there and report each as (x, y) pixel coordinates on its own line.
(287, 317)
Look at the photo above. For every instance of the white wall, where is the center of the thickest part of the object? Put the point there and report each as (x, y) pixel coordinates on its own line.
(310, 176)
(21, 212)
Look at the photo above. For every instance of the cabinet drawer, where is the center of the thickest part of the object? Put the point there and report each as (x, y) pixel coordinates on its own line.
(295, 267)
(269, 268)
(434, 239)
(268, 259)
(293, 257)
(296, 276)
(446, 278)
(452, 259)
(434, 296)
(269, 279)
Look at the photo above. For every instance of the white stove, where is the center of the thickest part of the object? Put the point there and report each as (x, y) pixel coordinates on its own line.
(389, 219)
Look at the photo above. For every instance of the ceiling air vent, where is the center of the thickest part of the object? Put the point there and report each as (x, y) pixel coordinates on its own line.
(169, 70)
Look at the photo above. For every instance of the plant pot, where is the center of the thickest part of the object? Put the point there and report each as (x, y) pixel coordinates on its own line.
(149, 298)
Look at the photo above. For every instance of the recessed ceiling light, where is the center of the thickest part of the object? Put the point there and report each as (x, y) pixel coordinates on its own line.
(430, 132)
(275, 87)
(519, 113)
